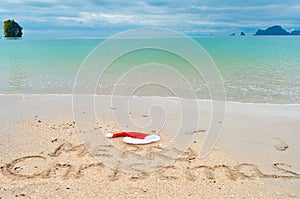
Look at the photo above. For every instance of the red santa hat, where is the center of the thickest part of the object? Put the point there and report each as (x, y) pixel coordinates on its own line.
(135, 137)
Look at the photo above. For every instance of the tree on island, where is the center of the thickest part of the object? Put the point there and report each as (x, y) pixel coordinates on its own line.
(12, 29)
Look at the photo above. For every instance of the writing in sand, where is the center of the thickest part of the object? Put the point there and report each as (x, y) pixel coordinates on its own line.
(68, 170)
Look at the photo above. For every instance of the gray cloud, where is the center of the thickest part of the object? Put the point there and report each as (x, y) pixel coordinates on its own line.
(190, 16)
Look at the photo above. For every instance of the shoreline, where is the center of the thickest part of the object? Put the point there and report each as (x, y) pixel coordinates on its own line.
(43, 154)
(156, 97)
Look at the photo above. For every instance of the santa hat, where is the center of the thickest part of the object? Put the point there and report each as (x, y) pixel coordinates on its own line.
(135, 137)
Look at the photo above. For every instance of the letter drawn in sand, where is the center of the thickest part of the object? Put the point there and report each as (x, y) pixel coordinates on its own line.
(69, 147)
(79, 173)
(248, 171)
(62, 170)
(210, 171)
(10, 167)
(278, 167)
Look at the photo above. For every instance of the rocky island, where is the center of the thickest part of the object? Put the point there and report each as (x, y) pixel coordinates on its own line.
(276, 30)
(12, 29)
(295, 32)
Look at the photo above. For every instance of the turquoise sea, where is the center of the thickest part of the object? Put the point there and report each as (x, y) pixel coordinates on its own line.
(254, 69)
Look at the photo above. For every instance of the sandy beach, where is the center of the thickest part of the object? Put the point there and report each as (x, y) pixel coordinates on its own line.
(149, 99)
(43, 154)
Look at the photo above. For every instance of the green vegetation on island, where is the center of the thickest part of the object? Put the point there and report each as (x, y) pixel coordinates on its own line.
(12, 29)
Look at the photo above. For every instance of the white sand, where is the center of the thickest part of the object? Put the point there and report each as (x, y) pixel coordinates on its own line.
(257, 155)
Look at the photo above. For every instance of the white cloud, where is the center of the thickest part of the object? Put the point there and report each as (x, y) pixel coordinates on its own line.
(96, 19)
(3, 10)
(30, 1)
(227, 24)
(190, 15)
(88, 17)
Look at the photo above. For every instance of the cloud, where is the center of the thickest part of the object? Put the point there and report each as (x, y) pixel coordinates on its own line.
(190, 16)
(109, 18)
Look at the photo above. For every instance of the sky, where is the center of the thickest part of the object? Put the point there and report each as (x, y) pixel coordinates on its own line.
(104, 18)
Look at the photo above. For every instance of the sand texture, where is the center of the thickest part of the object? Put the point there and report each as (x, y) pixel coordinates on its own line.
(44, 156)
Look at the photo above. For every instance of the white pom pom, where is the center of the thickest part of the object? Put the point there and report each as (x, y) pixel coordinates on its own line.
(109, 135)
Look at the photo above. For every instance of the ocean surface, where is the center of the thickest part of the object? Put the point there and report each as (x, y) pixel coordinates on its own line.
(253, 69)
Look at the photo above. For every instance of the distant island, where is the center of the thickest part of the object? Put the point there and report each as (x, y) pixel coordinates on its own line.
(276, 30)
(12, 29)
(242, 34)
(295, 32)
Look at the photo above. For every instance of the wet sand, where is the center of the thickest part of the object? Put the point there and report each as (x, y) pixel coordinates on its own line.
(44, 155)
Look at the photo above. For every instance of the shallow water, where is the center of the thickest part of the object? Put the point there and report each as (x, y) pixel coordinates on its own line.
(254, 69)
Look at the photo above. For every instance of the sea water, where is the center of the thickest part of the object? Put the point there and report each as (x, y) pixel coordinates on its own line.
(253, 69)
